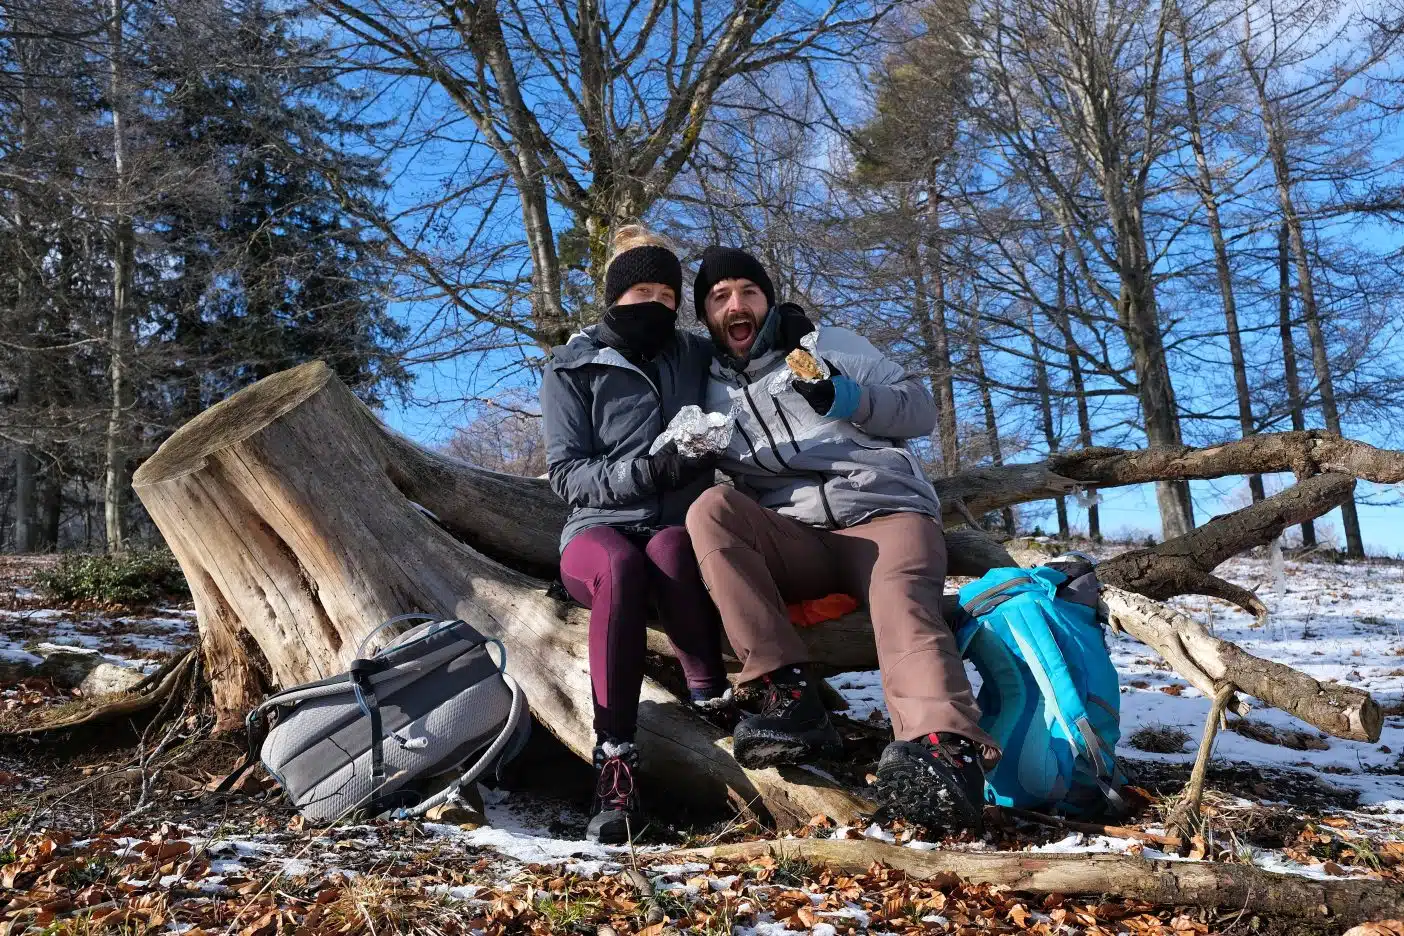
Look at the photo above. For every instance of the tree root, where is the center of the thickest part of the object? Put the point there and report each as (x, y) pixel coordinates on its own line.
(125, 705)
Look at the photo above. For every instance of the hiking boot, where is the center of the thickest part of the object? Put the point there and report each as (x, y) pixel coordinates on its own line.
(793, 726)
(937, 781)
(614, 815)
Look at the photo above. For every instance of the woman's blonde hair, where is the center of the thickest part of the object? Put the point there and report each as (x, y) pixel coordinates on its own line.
(635, 235)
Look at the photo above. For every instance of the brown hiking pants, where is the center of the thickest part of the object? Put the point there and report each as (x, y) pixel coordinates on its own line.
(755, 561)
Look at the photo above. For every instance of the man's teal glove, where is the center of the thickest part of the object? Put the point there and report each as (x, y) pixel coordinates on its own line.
(835, 397)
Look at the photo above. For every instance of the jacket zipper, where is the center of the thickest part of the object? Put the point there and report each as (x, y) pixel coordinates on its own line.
(658, 398)
(775, 446)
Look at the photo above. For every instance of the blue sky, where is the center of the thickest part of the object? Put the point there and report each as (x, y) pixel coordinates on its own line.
(437, 408)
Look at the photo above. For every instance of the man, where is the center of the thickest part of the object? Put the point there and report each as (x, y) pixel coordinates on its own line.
(827, 499)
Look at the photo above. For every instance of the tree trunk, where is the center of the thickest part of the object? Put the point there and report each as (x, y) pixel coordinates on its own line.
(1289, 354)
(1084, 420)
(1045, 408)
(290, 564)
(26, 512)
(1320, 358)
(982, 382)
(929, 276)
(1221, 256)
(115, 480)
(51, 503)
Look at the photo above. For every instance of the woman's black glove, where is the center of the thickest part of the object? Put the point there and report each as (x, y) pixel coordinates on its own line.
(671, 470)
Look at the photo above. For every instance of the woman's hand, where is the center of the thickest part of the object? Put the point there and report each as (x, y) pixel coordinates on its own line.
(671, 470)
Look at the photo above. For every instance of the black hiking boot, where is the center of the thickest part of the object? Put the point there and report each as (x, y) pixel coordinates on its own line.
(615, 816)
(938, 782)
(793, 726)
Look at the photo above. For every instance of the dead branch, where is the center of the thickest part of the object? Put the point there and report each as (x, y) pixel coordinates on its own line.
(1163, 883)
(1184, 564)
(1208, 662)
(1302, 453)
(124, 705)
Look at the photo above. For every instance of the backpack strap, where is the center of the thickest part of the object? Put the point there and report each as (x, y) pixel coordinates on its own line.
(993, 597)
(1050, 670)
(361, 671)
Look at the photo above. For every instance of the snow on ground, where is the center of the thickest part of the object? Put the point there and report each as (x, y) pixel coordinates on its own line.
(136, 640)
(1343, 623)
(1334, 622)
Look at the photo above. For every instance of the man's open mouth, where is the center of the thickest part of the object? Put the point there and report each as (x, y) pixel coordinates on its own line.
(741, 331)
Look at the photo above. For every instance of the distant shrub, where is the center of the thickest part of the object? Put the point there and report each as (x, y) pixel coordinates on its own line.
(139, 576)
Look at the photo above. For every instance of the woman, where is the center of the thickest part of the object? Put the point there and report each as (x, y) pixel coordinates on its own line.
(606, 396)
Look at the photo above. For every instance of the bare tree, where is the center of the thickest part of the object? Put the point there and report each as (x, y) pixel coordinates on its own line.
(587, 111)
(1073, 90)
(1303, 100)
(1205, 184)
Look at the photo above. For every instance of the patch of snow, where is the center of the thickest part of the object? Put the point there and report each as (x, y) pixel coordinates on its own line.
(876, 831)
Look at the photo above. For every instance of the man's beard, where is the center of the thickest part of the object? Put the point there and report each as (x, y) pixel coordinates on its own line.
(738, 329)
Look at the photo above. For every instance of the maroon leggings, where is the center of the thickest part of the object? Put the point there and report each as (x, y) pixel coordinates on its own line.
(618, 581)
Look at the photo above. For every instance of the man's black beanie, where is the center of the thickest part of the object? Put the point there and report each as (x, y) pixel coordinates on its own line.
(647, 264)
(724, 263)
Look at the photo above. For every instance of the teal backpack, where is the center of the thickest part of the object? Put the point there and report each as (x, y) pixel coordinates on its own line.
(1050, 696)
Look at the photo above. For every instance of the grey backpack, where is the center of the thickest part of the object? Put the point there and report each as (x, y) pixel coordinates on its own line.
(366, 742)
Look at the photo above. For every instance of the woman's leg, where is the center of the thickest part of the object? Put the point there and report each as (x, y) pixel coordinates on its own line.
(610, 575)
(686, 611)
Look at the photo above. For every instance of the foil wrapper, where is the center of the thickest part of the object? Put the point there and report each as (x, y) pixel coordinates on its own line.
(698, 433)
(783, 377)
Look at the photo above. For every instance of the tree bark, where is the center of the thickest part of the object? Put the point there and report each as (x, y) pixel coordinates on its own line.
(1222, 268)
(115, 480)
(26, 472)
(1289, 354)
(1162, 883)
(290, 564)
(1306, 288)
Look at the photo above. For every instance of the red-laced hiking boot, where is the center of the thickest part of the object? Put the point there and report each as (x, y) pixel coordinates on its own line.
(615, 815)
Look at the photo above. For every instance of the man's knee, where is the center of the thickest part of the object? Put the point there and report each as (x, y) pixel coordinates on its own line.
(716, 509)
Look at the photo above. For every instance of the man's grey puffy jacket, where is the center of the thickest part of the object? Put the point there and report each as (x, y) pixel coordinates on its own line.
(602, 413)
(828, 472)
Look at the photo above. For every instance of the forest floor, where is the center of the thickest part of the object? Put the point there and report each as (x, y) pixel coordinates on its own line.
(75, 859)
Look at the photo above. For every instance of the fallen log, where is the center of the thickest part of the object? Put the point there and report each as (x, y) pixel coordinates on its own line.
(301, 521)
(1208, 662)
(982, 490)
(296, 516)
(1158, 882)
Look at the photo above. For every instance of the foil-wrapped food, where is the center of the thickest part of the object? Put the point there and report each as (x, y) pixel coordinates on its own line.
(697, 433)
(803, 363)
